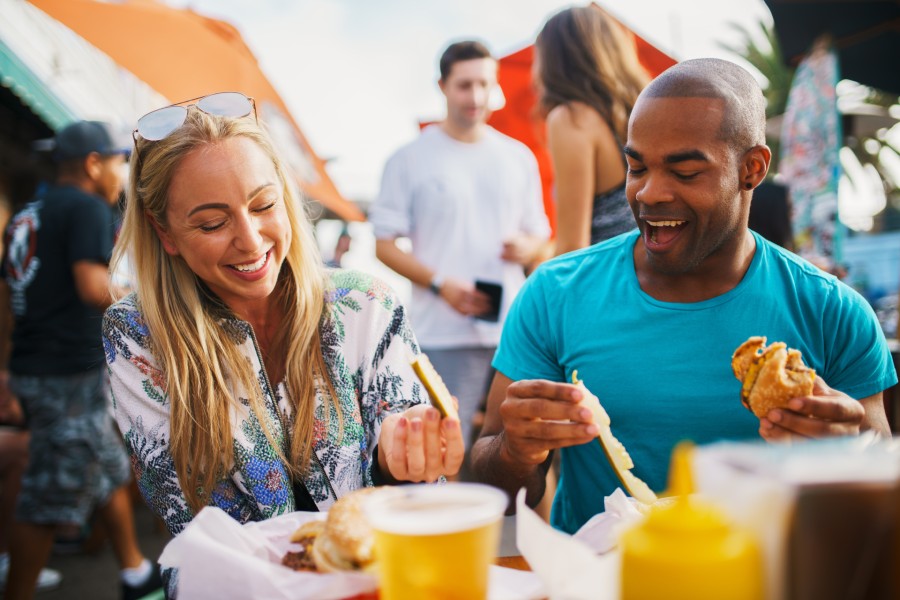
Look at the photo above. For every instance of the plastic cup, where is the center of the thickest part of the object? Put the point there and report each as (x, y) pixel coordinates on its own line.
(436, 541)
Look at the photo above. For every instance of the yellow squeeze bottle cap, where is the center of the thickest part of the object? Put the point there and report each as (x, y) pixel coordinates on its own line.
(686, 548)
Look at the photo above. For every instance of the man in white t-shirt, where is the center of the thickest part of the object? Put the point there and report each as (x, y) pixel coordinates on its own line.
(469, 199)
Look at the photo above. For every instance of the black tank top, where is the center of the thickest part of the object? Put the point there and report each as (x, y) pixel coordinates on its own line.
(611, 214)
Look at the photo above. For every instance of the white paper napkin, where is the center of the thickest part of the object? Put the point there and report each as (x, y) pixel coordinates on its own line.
(218, 558)
(601, 532)
(568, 568)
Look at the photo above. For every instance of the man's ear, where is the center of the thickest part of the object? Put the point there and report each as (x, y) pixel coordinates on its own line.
(755, 165)
(93, 166)
(164, 238)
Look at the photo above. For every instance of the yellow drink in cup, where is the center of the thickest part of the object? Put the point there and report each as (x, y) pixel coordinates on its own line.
(436, 541)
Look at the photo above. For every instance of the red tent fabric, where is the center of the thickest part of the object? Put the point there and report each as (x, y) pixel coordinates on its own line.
(518, 118)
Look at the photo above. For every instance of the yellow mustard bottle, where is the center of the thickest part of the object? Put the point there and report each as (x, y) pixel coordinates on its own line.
(687, 549)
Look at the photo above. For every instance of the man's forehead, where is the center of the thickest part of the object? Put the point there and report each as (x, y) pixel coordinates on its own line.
(676, 126)
(473, 67)
(678, 105)
(687, 115)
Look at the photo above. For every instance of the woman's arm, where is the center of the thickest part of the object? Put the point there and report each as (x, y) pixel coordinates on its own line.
(587, 160)
(572, 153)
(413, 442)
(142, 413)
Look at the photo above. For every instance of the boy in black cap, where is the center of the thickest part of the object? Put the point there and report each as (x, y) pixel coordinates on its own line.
(56, 284)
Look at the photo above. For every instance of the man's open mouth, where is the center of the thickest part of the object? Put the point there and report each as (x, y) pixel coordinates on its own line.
(661, 233)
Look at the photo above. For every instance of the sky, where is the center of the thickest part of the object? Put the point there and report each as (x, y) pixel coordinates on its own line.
(359, 75)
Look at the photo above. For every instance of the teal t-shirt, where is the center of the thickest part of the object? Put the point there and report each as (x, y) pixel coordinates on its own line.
(662, 370)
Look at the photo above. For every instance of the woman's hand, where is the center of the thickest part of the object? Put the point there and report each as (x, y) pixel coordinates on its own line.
(417, 445)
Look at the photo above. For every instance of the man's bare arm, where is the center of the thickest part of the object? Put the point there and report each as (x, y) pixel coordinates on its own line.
(875, 419)
(6, 324)
(491, 461)
(92, 283)
(403, 263)
(461, 295)
(7, 403)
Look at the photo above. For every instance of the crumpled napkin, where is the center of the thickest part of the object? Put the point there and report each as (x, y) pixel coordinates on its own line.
(601, 532)
(218, 558)
(569, 566)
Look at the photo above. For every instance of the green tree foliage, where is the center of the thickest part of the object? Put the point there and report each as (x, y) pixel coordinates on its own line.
(763, 52)
(760, 48)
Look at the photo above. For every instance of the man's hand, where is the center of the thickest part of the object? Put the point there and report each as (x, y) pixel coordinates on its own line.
(540, 416)
(417, 445)
(464, 298)
(521, 249)
(826, 413)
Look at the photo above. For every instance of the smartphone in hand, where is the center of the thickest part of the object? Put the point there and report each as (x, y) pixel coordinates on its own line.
(495, 292)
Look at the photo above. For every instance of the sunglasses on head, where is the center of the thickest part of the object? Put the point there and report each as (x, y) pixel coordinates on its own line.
(160, 123)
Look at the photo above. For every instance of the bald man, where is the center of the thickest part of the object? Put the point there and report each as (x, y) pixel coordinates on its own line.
(650, 319)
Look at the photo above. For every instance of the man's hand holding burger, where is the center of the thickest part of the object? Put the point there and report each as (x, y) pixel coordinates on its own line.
(792, 402)
(824, 413)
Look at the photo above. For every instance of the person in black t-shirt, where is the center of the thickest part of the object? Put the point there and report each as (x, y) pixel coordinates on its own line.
(770, 213)
(55, 282)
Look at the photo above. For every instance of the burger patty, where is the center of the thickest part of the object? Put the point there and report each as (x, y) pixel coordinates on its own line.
(302, 560)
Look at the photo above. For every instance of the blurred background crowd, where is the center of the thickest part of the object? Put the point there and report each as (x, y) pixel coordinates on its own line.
(359, 90)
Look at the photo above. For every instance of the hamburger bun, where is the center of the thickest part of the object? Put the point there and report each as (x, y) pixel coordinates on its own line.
(309, 530)
(346, 542)
(770, 375)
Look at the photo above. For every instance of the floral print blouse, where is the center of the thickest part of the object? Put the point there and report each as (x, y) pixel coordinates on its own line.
(367, 345)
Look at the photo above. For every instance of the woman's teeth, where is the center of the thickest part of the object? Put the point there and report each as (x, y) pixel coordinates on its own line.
(250, 267)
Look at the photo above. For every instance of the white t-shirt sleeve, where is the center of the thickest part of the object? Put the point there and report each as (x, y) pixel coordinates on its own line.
(390, 213)
(534, 219)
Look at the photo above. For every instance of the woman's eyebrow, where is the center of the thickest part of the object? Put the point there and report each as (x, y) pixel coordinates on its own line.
(200, 207)
(222, 205)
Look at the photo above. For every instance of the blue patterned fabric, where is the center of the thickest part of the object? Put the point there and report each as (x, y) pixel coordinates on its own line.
(366, 343)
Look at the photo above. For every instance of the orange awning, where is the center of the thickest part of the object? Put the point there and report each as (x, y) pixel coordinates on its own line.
(518, 118)
(181, 55)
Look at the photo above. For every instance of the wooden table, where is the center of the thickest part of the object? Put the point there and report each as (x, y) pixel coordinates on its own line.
(513, 562)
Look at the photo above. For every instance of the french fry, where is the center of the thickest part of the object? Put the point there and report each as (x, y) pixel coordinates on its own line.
(434, 385)
(615, 452)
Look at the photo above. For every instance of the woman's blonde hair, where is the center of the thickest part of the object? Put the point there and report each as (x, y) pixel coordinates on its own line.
(586, 56)
(200, 360)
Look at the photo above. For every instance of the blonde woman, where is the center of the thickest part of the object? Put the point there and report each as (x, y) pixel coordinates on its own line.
(246, 375)
(588, 78)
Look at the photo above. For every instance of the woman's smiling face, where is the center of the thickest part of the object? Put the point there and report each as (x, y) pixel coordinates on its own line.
(227, 220)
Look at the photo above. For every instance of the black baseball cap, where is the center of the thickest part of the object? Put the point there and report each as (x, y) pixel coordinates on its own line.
(81, 138)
